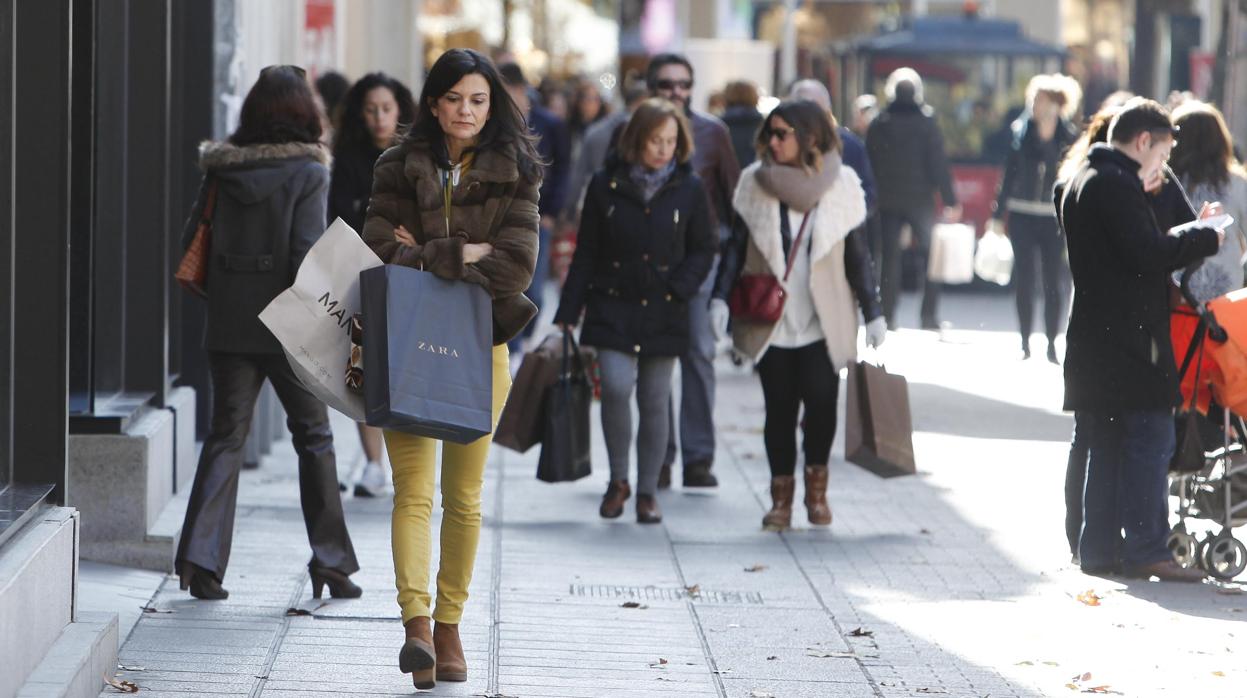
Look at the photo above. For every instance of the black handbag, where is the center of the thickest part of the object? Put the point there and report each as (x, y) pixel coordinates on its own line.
(565, 444)
(1188, 454)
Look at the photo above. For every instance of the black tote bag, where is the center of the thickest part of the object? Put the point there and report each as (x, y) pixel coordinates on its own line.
(428, 345)
(565, 441)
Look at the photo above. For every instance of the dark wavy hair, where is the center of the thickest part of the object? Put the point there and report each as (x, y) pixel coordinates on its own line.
(280, 108)
(505, 126)
(1204, 153)
(810, 124)
(352, 131)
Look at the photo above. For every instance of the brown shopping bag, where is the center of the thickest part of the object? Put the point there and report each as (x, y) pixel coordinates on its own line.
(878, 433)
(521, 423)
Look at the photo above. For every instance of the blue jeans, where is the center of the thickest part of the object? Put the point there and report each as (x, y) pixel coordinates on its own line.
(696, 424)
(1126, 490)
(536, 288)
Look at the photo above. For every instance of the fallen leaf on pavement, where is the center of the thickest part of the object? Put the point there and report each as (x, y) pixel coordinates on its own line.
(1025, 663)
(761, 694)
(694, 590)
(824, 654)
(659, 664)
(1218, 673)
(632, 604)
(771, 658)
(123, 667)
(1090, 598)
(860, 632)
(931, 690)
(1103, 690)
(153, 609)
(755, 568)
(1052, 664)
(123, 686)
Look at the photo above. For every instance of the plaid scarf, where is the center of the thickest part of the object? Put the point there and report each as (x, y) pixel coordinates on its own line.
(650, 181)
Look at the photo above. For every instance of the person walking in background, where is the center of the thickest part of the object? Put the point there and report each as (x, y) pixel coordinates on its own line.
(865, 109)
(1120, 377)
(742, 118)
(373, 111)
(268, 185)
(1040, 138)
(670, 76)
(554, 147)
(853, 149)
(597, 143)
(457, 198)
(907, 153)
(588, 108)
(1203, 160)
(647, 242)
(800, 209)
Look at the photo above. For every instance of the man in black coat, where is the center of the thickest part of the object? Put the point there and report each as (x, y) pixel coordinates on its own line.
(906, 151)
(1120, 377)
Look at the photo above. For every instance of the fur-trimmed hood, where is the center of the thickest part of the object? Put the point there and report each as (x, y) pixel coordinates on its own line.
(215, 155)
(252, 173)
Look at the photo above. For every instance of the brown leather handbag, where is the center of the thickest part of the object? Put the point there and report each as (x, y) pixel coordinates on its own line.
(760, 297)
(192, 272)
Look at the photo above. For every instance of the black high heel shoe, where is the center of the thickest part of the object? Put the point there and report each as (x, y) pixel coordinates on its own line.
(340, 586)
(201, 583)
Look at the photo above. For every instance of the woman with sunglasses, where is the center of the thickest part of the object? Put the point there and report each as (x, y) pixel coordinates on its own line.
(458, 198)
(799, 212)
(264, 190)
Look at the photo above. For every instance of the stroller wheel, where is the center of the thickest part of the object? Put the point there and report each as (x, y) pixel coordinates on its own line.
(1226, 557)
(1182, 545)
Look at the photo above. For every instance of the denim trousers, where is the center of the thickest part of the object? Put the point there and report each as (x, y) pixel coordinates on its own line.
(1126, 498)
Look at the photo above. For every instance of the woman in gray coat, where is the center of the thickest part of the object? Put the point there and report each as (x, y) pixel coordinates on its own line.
(268, 184)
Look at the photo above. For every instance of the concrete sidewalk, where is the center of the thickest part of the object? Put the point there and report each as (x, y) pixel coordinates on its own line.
(952, 582)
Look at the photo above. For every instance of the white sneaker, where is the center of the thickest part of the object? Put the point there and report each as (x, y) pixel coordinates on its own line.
(371, 482)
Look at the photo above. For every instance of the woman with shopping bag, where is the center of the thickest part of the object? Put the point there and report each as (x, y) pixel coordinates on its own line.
(267, 186)
(457, 198)
(790, 275)
(373, 111)
(1041, 135)
(645, 245)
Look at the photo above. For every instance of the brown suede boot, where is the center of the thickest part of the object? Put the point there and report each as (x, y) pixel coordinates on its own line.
(451, 664)
(779, 517)
(617, 492)
(418, 657)
(816, 495)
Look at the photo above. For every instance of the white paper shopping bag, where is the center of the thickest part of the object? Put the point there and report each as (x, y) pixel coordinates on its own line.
(312, 319)
(952, 253)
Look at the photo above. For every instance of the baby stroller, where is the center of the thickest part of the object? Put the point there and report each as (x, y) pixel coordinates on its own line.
(1215, 486)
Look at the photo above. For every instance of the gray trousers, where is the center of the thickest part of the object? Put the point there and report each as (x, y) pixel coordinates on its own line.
(696, 384)
(650, 376)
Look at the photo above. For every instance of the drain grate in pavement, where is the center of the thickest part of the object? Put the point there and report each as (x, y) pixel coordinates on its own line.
(651, 593)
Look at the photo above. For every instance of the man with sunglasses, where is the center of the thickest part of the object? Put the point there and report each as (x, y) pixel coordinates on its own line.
(1120, 377)
(670, 76)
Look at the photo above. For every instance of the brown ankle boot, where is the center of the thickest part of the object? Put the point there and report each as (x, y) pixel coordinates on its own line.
(617, 492)
(451, 665)
(780, 515)
(816, 495)
(418, 657)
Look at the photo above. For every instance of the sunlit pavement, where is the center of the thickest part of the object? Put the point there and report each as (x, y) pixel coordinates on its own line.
(955, 581)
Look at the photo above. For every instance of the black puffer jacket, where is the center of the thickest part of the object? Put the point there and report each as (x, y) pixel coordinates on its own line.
(1031, 169)
(638, 264)
(906, 152)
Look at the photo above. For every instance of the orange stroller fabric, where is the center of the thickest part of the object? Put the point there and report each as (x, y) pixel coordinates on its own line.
(1229, 380)
(1182, 325)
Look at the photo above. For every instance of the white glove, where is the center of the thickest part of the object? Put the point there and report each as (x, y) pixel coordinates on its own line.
(719, 315)
(876, 332)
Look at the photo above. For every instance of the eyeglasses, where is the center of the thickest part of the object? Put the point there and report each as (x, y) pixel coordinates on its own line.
(673, 84)
(780, 133)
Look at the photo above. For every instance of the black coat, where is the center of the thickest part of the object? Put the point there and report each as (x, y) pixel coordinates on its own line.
(351, 183)
(637, 264)
(1031, 169)
(742, 125)
(269, 211)
(1119, 354)
(907, 154)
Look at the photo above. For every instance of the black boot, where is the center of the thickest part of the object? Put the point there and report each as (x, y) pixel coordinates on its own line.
(697, 474)
(202, 583)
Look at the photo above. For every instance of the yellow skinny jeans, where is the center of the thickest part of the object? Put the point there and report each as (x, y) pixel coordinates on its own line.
(463, 474)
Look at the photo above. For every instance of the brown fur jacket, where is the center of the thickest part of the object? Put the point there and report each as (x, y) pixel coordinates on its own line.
(493, 203)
